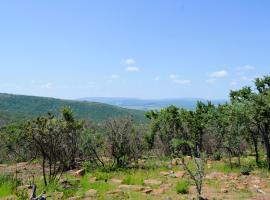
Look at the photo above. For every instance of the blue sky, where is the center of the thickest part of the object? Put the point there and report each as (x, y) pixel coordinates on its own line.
(132, 48)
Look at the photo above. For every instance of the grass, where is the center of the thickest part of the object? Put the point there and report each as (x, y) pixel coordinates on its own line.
(182, 187)
(7, 185)
(136, 176)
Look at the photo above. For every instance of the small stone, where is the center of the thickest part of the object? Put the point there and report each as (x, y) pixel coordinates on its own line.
(174, 162)
(90, 193)
(179, 174)
(80, 173)
(116, 181)
(115, 192)
(93, 179)
(147, 191)
(131, 187)
(152, 182)
(224, 190)
(57, 195)
(158, 191)
(163, 173)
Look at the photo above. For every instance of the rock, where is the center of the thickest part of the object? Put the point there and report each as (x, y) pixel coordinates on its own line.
(179, 174)
(224, 190)
(166, 186)
(131, 187)
(90, 193)
(189, 157)
(158, 191)
(115, 192)
(163, 173)
(215, 175)
(174, 162)
(57, 195)
(80, 173)
(152, 182)
(147, 191)
(116, 181)
(93, 179)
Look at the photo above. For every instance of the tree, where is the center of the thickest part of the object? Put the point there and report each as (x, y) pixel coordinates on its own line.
(124, 140)
(54, 141)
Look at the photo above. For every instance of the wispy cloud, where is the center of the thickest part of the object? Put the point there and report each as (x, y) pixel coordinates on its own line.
(246, 68)
(211, 80)
(128, 61)
(132, 69)
(218, 74)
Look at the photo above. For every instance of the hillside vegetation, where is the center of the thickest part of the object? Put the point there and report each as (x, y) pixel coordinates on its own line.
(18, 107)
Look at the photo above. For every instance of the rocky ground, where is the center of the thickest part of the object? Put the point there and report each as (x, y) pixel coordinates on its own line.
(158, 183)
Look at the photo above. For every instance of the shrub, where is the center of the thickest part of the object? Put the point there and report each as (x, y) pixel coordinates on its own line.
(246, 170)
(217, 156)
(182, 187)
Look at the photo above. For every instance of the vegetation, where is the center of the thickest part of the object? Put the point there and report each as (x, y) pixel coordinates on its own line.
(20, 108)
(231, 138)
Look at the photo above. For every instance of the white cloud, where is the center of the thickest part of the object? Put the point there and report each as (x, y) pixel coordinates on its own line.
(128, 61)
(115, 76)
(246, 68)
(157, 78)
(182, 82)
(211, 80)
(172, 76)
(218, 74)
(132, 69)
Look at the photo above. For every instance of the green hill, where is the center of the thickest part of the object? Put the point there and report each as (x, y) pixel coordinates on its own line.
(19, 107)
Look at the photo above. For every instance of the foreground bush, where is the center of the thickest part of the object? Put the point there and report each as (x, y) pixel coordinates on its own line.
(182, 187)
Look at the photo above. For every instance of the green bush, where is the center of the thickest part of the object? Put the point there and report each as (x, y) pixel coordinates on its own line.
(217, 156)
(182, 187)
(246, 170)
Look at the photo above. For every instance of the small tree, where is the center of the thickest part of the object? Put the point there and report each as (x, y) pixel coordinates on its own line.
(54, 141)
(124, 140)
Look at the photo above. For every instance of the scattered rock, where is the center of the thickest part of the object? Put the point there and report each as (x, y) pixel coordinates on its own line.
(174, 162)
(163, 173)
(80, 173)
(216, 175)
(90, 193)
(158, 191)
(57, 195)
(152, 182)
(147, 191)
(179, 174)
(93, 179)
(224, 190)
(116, 181)
(131, 187)
(115, 192)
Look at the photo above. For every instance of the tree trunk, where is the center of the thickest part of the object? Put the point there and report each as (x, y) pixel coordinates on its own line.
(43, 171)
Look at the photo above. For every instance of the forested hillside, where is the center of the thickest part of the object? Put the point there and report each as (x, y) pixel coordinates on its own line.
(17, 107)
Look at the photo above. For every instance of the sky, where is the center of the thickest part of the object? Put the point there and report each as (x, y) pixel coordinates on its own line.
(150, 49)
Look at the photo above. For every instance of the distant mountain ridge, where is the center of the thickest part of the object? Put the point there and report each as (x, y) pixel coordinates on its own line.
(149, 104)
(22, 107)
